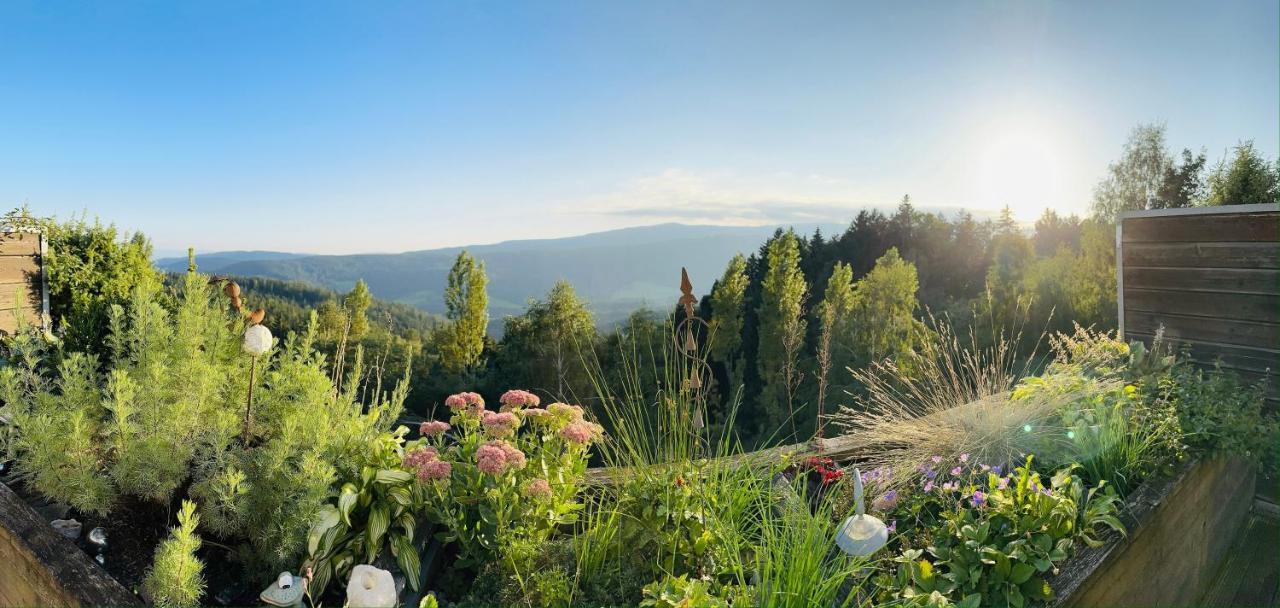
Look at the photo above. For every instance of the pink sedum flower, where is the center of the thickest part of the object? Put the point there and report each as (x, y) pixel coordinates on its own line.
(500, 424)
(515, 458)
(426, 464)
(465, 403)
(537, 489)
(565, 411)
(435, 470)
(581, 433)
(498, 456)
(536, 415)
(433, 428)
(491, 459)
(516, 399)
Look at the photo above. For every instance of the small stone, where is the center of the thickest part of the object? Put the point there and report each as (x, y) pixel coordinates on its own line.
(69, 528)
(98, 538)
(101, 559)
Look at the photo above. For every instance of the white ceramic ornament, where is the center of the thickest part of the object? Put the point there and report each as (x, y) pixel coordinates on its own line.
(371, 587)
(257, 340)
(861, 534)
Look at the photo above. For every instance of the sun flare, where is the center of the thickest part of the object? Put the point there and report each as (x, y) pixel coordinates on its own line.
(1020, 166)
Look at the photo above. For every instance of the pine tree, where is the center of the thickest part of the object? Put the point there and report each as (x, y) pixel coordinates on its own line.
(466, 303)
(834, 314)
(726, 320)
(176, 577)
(357, 303)
(782, 325)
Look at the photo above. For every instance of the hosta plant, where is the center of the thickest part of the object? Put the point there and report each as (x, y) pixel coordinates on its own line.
(996, 539)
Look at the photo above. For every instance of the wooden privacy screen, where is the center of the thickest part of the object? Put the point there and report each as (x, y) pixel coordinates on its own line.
(22, 281)
(1211, 277)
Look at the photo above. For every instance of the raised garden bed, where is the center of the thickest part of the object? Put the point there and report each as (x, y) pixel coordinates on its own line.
(1179, 529)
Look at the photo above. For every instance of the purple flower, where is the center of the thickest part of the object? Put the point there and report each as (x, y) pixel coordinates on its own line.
(928, 486)
(1003, 483)
(979, 498)
(885, 501)
(996, 469)
(964, 457)
(955, 471)
(893, 526)
(935, 459)
(930, 473)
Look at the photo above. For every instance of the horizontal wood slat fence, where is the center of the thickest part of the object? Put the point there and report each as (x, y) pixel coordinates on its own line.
(1210, 276)
(22, 280)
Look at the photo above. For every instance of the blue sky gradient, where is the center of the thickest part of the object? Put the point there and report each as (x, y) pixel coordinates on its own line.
(390, 126)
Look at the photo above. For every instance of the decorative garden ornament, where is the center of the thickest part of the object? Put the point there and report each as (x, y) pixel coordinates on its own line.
(98, 539)
(285, 591)
(257, 341)
(371, 587)
(861, 534)
(70, 528)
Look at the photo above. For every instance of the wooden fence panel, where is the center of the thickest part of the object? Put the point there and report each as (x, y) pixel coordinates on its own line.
(22, 281)
(1210, 279)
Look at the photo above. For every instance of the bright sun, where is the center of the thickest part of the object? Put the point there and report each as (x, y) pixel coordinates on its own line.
(1019, 167)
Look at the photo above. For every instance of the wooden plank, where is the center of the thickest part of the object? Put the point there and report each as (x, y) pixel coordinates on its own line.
(60, 573)
(14, 269)
(1202, 255)
(1196, 329)
(15, 295)
(1238, 357)
(19, 244)
(1252, 227)
(1240, 306)
(1234, 280)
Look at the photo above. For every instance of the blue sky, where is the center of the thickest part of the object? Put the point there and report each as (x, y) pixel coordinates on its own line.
(386, 126)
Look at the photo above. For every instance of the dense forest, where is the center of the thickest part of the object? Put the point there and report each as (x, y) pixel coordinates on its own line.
(784, 326)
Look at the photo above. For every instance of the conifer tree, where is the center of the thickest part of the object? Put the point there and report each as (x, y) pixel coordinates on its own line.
(466, 303)
(726, 320)
(357, 303)
(835, 339)
(883, 319)
(781, 326)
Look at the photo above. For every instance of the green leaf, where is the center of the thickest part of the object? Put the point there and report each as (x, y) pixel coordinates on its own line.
(407, 558)
(1021, 572)
(393, 476)
(346, 502)
(379, 521)
(326, 518)
(973, 600)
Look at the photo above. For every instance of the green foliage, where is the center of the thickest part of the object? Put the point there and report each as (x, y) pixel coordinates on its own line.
(1219, 414)
(1247, 179)
(987, 540)
(89, 268)
(545, 347)
(505, 482)
(466, 303)
(168, 412)
(782, 326)
(727, 321)
(376, 508)
(357, 304)
(176, 577)
(1133, 181)
(883, 319)
(680, 592)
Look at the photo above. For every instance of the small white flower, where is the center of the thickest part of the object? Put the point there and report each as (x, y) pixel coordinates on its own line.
(257, 340)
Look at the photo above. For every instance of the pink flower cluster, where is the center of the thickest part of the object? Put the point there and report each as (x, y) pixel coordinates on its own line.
(498, 456)
(536, 415)
(426, 464)
(433, 428)
(537, 489)
(516, 399)
(572, 413)
(471, 404)
(500, 424)
(581, 432)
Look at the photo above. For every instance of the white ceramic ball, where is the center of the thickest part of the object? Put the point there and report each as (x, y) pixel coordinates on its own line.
(257, 340)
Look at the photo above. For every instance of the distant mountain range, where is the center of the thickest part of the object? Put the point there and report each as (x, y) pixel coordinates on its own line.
(616, 271)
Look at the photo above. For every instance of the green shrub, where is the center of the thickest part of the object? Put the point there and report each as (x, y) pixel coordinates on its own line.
(977, 538)
(176, 578)
(169, 411)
